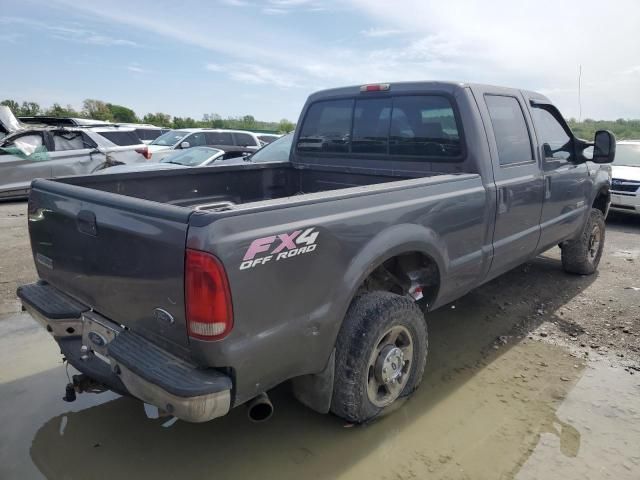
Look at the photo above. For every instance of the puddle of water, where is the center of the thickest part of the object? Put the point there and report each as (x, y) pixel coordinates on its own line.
(528, 410)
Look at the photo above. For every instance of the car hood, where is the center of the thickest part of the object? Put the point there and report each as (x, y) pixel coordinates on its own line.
(8, 120)
(625, 173)
(140, 167)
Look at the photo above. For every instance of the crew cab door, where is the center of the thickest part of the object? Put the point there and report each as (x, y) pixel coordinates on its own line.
(567, 185)
(517, 175)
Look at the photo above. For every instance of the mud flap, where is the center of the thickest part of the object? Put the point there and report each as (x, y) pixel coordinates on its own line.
(315, 390)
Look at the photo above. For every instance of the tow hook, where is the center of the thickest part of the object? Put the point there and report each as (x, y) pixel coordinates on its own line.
(80, 384)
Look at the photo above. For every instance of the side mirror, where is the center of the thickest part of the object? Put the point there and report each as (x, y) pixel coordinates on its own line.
(185, 145)
(604, 147)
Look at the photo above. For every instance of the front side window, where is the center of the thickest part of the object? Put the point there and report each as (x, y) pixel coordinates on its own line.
(510, 130)
(196, 139)
(556, 142)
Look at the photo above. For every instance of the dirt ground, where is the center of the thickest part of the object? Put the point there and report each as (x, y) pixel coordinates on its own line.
(533, 375)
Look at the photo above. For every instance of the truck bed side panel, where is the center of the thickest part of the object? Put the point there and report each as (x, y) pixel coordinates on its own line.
(287, 311)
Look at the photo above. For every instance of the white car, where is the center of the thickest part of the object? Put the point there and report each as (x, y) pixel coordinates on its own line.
(625, 185)
(200, 137)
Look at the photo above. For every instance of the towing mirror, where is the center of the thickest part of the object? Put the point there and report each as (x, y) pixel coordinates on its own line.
(604, 147)
(185, 145)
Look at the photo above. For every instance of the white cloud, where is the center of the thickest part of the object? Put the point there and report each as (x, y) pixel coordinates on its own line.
(69, 33)
(381, 32)
(135, 67)
(274, 11)
(254, 74)
(236, 3)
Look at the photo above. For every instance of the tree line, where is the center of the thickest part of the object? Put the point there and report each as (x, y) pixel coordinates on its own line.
(110, 112)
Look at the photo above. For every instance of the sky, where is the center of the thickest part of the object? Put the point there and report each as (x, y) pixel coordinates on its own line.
(263, 58)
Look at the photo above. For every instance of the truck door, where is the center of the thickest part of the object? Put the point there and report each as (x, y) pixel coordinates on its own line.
(519, 185)
(567, 186)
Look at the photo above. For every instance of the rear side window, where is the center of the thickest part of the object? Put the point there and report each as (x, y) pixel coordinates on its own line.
(121, 138)
(245, 140)
(219, 138)
(510, 130)
(416, 126)
(148, 133)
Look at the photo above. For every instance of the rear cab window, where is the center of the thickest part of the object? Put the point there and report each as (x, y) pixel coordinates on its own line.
(412, 127)
(121, 138)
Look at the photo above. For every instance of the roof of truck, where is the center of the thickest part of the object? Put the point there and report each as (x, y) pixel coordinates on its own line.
(445, 86)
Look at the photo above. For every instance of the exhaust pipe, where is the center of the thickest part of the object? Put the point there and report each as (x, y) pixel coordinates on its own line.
(260, 408)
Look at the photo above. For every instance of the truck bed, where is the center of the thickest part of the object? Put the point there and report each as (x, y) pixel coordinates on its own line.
(223, 188)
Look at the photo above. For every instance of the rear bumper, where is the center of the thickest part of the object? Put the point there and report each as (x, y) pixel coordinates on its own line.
(625, 202)
(126, 362)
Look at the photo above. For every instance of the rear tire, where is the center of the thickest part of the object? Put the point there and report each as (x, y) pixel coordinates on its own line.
(381, 353)
(582, 255)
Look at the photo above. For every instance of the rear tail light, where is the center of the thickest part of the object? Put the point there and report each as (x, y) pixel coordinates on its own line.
(144, 151)
(207, 296)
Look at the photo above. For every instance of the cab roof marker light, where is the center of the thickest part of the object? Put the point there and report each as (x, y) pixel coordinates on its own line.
(375, 87)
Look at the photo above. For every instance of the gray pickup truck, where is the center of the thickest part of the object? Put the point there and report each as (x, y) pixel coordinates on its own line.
(199, 290)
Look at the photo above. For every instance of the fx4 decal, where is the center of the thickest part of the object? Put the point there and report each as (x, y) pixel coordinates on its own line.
(279, 247)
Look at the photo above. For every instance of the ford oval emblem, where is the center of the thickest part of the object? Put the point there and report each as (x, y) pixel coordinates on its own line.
(163, 316)
(97, 339)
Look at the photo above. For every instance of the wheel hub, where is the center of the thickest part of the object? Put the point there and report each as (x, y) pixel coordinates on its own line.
(389, 364)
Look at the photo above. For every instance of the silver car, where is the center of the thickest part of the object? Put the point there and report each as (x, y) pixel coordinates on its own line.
(45, 152)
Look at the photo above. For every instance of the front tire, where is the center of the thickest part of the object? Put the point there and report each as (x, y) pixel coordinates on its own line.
(582, 255)
(381, 353)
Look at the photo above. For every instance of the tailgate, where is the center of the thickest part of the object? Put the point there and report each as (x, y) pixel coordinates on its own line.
(121, 256)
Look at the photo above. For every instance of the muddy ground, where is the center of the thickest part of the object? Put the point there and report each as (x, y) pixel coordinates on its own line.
(535, 375)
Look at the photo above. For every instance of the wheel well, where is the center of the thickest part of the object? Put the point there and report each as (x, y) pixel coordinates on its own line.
(411, 273)
(602, 200)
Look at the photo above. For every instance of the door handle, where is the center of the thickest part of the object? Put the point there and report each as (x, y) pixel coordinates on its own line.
(547, 187)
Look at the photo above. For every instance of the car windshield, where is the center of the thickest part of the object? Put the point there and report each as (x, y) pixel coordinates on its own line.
(277, 151)
(169, 139)
(192, 157)
(628, 154)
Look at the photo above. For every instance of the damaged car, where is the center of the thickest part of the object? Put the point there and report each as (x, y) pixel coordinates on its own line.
(54, 151)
